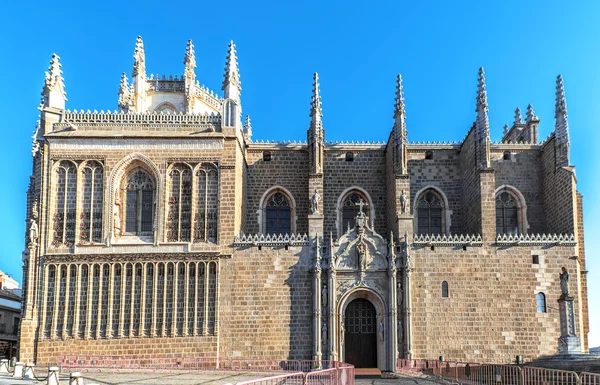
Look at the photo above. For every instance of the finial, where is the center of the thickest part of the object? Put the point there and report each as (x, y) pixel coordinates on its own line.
(124, 94)
(482, 102)
(54, 86)
(506, 129)
(190, 57)
(399, 104)
(248, 129)
(232, 75)
(561, 102)
(139, 59)
(530, 115)
(518, 117)
(315, 104)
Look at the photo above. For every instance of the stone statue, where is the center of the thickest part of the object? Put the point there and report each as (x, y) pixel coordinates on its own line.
(400, 333)
(564, 282)
(403, 202)
(324, 294)
(362, 257)
(314, 203)
(342, 334)
(381, 331)
(33, 232)
(117, 217)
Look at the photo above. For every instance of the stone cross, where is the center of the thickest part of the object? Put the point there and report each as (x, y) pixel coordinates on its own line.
(360, 204)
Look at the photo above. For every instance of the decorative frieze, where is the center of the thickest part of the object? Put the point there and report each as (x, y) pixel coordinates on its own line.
(271, 240)
(448, 240)
(137, 144)
(536, 239)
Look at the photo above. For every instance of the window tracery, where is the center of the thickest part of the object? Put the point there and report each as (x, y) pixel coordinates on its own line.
(66, 200)
(430, 213)
(138, 193)
(507, 213)
(205, 224)
(277, 214)
(179, 219)
(90, 229)
(350, 208)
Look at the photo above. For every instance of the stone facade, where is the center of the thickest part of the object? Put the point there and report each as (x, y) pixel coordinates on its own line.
(164, 229)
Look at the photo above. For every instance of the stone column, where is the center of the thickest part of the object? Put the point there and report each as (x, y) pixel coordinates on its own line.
(184, 329)
(121, 326)
(333, 351)
(90, 289)
(77, 315)
(175, 298)
(111, 292)
(392, 337)
(317, 302)
(100, 284)
(46, 270)
(54, 329)
(569, 342)
(154, 300)
(407, 306)
(205, 318)
(195, 328)
(66, 303)
(165, 300)
(132, 307)
(142, 332)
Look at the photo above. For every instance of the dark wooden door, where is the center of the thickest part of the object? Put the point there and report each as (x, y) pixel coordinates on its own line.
(360, 335)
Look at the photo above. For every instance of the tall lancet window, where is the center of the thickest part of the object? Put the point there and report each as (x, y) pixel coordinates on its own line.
(179, 220)
(350, 208)
(139, 203)
(90, 230)
(206, 217)
(229, 112)
(66, 201)
(277, 214)
(507, 213)
(430, 210)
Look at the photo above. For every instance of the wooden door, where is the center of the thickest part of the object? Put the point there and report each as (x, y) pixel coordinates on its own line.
(360, 334)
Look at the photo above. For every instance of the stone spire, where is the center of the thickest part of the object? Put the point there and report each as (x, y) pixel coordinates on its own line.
(248, 129)
(316, 136)
(231, 79)
(561, 125)
(139, 59)
(124, 94)
(518, 116)
(399, 130)
(53, 93)
(530, 117)
(506, 129)
(190, 64)
(482, 125)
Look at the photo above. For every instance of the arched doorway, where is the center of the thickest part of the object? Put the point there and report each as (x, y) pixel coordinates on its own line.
(360, 334)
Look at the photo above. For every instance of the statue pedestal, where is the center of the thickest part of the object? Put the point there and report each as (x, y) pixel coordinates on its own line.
(315, 225)
(405, 225)
(569, 342)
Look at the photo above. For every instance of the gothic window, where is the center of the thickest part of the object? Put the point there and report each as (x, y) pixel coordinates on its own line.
(139, 203)
(445, 291)
(166, 108)
(91, 214)
(66, 197)
(206, 220)
(507, 213)
(541, 302)
(179, 219)
(277, 214)
(430, 213)
(350, 208)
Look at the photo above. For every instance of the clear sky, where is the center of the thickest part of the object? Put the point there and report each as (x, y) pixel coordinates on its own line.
(357, 48)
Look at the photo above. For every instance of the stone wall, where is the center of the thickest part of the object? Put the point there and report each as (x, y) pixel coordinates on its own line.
(470, 187)
(490, 314)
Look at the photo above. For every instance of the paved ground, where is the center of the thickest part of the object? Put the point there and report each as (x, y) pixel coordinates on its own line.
(204, 378)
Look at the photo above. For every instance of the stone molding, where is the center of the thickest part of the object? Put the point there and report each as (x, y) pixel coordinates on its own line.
(135, 144)
(448, 240)
(271, 240)
(130, 257)
(536, 239)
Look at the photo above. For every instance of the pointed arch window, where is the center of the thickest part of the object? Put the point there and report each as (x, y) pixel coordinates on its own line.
(350, 208)
(277, 214)
(541, 302)
(90, 229)
(139, 189)
(179, 219)
(430, 213)
(66, 200)
(507, 213)
(206, 220)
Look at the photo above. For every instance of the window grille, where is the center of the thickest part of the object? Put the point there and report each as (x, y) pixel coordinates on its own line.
(139, 203)
(277, 214)
(90, 229)
(66, 199)
(430, 213)
(206, 221)
(507, 215)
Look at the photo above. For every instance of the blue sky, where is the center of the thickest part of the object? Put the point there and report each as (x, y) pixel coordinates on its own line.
(357, 48)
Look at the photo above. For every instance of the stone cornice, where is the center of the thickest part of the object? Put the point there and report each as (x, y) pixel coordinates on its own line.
(148, 257)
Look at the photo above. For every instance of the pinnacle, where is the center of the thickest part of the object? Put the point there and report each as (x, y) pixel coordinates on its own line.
(518, 116)
(481, 92)
(530, 114)
(231, 67)
(190, 56)
(54, 77)
(315, 105)
(399, 103)
(561, 101)
(139, 58)
(506, 129)
(248, 124)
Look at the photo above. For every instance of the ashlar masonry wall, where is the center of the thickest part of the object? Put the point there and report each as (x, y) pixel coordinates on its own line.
(490, 314)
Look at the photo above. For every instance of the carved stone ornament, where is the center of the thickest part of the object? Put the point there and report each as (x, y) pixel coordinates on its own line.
(403, 201)
(33, 232)
(314, 202)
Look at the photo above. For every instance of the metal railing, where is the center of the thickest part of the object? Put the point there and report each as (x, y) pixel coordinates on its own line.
(287, 379)
(488, 374)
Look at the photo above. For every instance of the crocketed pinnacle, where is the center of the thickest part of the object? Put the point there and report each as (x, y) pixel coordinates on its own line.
(231, 75)
(124, 93)
(505, 129)
(315, 104)
(482, 103)
(248, 128)
(518, 116)
(54, 78)
(190, 57)
(399, 102)
(561, 125)
(530, 114)
(139, 59)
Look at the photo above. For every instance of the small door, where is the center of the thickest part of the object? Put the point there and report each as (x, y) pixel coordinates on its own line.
(360, 334)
